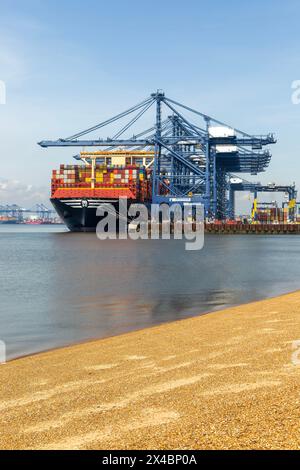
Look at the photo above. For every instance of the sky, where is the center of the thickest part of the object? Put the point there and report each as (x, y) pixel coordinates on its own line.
(70, 64)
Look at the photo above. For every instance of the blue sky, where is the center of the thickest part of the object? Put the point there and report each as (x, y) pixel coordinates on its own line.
(69, 64)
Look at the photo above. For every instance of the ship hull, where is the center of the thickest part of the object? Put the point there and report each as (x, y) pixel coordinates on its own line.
(80, 215)
(8, 222)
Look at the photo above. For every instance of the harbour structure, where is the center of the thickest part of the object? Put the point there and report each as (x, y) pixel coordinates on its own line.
(239, 184)
(16, 214)
(193, 154)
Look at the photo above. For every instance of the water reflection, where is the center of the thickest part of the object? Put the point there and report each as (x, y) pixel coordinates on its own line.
(59, 288)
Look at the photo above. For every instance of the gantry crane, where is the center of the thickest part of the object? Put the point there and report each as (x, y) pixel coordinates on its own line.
(18, 212)
(237, 184)
(194, 156)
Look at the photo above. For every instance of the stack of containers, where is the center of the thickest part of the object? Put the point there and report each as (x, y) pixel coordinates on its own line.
(281, 215)
(285, 215)
(273, 215)
(106, 176)
(276, 215)
(262, 216)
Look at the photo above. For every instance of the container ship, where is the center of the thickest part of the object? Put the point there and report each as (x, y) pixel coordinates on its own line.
(8, 220)
(102, 177)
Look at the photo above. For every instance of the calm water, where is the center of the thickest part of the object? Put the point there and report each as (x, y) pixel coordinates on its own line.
(59, 287)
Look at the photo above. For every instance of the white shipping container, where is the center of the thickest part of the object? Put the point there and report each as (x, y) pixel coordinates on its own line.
(221, 131)
(236, 180)
(226, 148)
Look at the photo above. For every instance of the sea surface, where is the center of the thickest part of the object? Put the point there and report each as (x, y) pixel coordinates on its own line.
(59, 288)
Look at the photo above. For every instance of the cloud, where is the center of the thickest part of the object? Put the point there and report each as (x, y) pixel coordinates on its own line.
(16, 192)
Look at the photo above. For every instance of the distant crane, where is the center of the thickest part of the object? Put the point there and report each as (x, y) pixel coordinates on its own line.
(42, 211)
(238, 184)
(17, 212)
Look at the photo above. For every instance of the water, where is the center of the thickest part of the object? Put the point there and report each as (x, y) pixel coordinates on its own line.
(59, 288)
